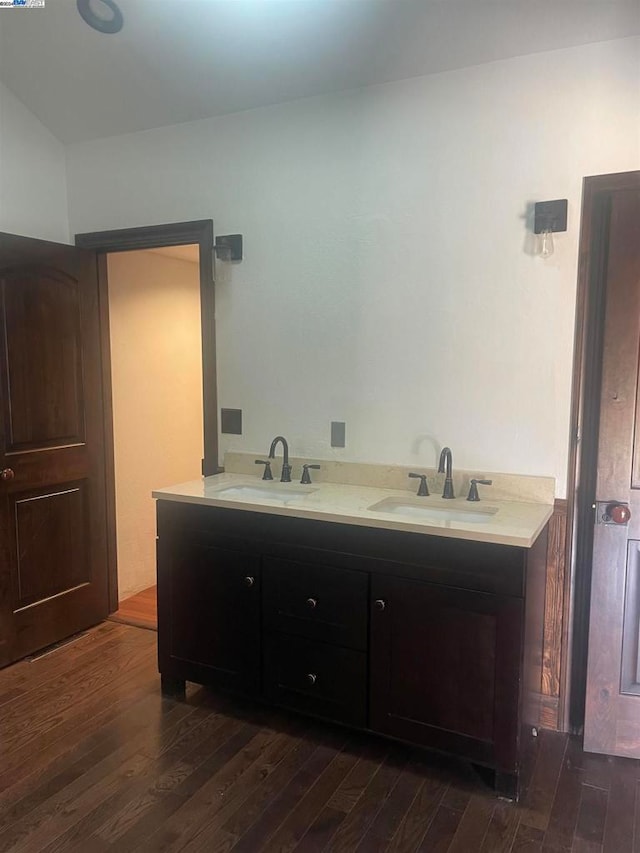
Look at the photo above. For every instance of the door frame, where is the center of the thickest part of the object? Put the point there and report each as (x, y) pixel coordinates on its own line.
(198, 232)
(584, 426)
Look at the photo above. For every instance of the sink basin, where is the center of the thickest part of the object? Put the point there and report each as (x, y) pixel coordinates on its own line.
(428, 512)
(276, 493)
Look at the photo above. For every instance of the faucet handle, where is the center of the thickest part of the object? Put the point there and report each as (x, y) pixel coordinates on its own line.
(267, 468)
(423, 489)
(473, 488)
(306, 478)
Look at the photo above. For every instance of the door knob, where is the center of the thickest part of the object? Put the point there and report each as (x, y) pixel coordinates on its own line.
(249, 581)
(7, 474)
(617, 513)
(311, 677)
(380, 604)
(312, 603)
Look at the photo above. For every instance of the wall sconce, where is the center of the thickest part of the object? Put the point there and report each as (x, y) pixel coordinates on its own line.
(549, 216)
(228, 248)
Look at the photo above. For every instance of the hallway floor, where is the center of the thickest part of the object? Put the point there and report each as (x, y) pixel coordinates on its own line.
(93, 759)
(140, 610)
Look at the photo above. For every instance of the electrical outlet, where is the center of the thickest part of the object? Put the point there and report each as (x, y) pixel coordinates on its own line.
(338, 434)
(231, 421)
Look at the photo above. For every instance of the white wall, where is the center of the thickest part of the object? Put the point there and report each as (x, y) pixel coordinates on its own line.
(33, 188)
(156, 364)
(388, 279)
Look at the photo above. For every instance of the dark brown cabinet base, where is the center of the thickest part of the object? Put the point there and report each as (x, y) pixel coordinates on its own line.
(429, 640)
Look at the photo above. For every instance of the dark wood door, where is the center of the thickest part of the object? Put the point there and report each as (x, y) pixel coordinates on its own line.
(612, 708)
(53, 576)
(209, 614)
(444, 668)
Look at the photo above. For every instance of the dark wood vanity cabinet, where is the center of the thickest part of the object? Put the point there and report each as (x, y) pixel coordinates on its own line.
(430, 640)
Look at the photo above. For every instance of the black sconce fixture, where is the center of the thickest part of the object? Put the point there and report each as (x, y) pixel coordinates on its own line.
(549, 216)
(228, 248)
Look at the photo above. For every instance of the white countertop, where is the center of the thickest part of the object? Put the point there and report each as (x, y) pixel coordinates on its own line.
(502, 522)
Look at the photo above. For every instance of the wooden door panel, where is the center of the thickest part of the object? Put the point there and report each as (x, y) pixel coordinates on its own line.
(605, 640)
(42, 355)
(51, 545)
(53, 570)
(612, 707)
(616, 452)
(630, 674)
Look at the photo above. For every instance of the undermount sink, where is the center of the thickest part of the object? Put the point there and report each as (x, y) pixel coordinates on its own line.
(428, 512)
(282, 494)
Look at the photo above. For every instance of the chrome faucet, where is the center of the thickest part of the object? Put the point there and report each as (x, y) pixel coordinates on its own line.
(446, 457)
(285, 477)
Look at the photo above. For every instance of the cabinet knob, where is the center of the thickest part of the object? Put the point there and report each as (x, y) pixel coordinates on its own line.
(7, 474)
(311, 678)
(380, 603)
(312, 602)
(249, 581)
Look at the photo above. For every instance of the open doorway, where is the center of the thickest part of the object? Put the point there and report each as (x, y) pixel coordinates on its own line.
(156, 381)
(159, 386)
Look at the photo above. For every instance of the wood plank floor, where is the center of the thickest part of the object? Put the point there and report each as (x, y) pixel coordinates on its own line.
(93, 759)
(140, 610)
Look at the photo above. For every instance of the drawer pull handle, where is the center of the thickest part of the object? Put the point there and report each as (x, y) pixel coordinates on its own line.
(249, 581)
(311, 678)
(312, 602)
(380, 603)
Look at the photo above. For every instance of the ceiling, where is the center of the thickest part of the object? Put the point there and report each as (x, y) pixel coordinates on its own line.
(181, 60)
(189, 253)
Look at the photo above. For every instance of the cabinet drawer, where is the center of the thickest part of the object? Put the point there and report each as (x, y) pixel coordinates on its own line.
(316, 678)
(316, 601)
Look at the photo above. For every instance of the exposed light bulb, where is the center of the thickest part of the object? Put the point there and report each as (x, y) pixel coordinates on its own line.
(546, 244)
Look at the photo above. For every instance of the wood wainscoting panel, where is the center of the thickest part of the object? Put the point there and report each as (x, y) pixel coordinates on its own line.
(553, 617)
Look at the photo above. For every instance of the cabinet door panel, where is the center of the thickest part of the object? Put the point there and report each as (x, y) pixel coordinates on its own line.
(209, 615)
(444, 668)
